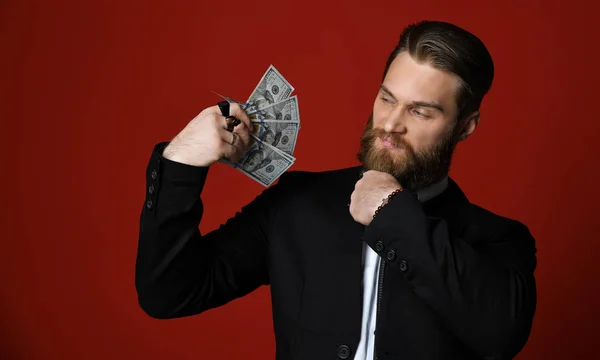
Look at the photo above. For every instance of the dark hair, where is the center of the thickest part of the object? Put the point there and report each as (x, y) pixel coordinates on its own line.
(450, 48)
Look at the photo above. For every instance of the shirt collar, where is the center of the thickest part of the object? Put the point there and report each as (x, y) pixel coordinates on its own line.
(433, 190)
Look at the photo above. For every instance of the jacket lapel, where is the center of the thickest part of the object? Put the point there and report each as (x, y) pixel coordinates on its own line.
(450, 205)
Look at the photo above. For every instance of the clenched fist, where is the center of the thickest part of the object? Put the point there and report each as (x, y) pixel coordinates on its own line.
(205, 139)
(369, 192)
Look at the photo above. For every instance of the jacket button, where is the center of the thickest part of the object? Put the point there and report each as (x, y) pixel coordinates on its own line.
(343, 352)
(403, 266)
(154, 173)
(379, 246)
(151, 189)
(149, 203)
(391, 255)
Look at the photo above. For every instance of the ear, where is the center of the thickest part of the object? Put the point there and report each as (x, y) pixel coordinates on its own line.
(469, 125)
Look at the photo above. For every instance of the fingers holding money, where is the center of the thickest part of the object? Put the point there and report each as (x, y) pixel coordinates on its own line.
(231, 147)
(239, 113)
(231, 122)
(237, 128)
(234, 144)
(234, 112)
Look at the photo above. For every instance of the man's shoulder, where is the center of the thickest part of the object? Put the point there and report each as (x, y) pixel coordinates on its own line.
(478, 220)
(497, 224)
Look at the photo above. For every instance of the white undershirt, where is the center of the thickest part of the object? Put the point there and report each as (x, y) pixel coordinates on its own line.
(371, 265)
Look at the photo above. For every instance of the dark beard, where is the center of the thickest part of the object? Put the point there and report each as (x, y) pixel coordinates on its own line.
(415, 170)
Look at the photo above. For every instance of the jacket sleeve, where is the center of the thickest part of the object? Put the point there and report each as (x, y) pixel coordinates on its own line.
(484, 292)
(180, 272)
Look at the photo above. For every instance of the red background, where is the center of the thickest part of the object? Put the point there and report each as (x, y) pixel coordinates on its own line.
(88, 88)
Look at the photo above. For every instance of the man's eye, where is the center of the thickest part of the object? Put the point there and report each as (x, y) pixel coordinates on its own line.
(420, 114)
(386, 100)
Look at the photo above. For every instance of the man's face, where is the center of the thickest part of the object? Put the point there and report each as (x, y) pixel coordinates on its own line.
(411, 133)
(253, 161)
(269, 136)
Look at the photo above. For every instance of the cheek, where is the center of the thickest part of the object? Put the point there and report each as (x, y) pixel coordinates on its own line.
(378, 114)
(427, 138)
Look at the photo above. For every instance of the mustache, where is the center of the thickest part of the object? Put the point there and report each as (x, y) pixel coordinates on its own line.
(395, 139)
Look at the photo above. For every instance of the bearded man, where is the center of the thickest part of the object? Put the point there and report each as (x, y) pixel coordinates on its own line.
(387, 260)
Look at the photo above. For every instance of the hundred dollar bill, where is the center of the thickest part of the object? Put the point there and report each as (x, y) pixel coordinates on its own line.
(286, 110)
(279, 134)
(272, 88)
(263, 163)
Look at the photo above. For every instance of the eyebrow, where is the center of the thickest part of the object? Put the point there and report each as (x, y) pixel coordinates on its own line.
(427, 104)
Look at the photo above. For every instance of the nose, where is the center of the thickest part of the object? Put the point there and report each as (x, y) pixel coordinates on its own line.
(395, 122)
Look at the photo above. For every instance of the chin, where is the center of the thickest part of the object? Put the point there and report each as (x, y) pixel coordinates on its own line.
(397, 155)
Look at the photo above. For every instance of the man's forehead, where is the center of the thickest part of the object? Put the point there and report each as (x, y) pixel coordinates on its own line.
(409, 81)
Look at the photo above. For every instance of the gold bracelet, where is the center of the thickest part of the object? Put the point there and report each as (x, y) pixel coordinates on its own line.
(385, 201)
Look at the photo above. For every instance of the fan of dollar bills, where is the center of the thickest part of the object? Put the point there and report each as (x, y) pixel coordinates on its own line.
(275, 124)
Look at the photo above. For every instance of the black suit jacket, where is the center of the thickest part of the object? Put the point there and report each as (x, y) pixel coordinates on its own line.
(457, 281)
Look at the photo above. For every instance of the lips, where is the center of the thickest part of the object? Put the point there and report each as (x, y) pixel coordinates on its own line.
(388, 143)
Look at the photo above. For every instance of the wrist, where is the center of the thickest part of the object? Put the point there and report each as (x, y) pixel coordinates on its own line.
(170, 154)
(386, 200)
(178, 154)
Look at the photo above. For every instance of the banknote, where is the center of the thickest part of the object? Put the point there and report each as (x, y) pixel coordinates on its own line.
(263, 163)
(286, 110)
(279, 134)
(275, 122)
(271, 88)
